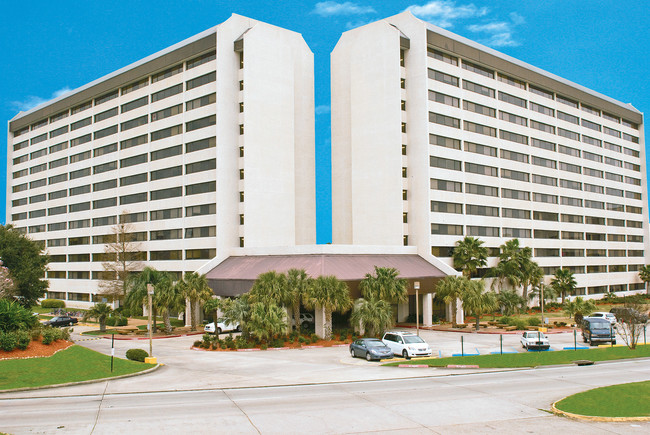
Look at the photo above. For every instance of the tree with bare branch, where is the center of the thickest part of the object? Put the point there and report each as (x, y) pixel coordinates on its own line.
(632, 320)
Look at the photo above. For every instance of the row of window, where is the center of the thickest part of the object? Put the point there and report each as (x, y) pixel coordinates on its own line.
(490, 73)
(177, 69)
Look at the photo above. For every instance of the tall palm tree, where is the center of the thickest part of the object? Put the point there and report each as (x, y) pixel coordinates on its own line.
(331, 294)
(237, 312)
(100, 312)
(271, 287)
(470, 254)
(196, 289)
(508, 268)
(450, 289)
(168, 297)
(530, 272)
(579, 308)
(297, 282)
(266, 320)
(644, 274)
(376, 315)
(477, 301)
(509, 301)
(563, 282)
(384, 285)
(137, 295)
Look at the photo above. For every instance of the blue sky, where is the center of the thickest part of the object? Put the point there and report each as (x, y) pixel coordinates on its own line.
(53, 46)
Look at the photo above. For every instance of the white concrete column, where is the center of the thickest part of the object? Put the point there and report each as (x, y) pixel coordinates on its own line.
(402, 311)
(460, 313)
(448, 311)
(188, 312)
(427, 309)
(319, 319)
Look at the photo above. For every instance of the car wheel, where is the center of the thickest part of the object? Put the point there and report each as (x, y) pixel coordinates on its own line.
(70, 324)
(352, 353)
(591, 342)
(305, 325)
(368, 357)
(218, 330)
(405, 354)
(614, 342)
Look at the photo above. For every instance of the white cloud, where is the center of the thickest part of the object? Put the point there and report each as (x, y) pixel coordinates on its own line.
(443, 12)
(322, 109)
(354, 24)
(499, 33)
(330, 8)
(32, 101)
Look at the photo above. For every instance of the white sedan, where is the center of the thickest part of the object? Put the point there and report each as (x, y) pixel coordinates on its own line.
(221, 327)
(534, 340)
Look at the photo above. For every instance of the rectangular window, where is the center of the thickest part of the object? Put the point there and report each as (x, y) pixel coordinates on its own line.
(591, 125)
(478, 69)
(78, 157)
(57, 210)
(133, 123)
(611, 131)
(545, 216)
(19, 188)
(570, 184)
(439, 162)
(593, 157)
(542, 109)
(201, 80)
(200, 60)
(594, 220)
(592, 141)
(538, 143)
(572, 218)
(522, 233)
(515, 194)
(596, 253)
(541, 92)
(200, 254)
(167, 152)
(567, 101)
(160, 174)
(200, 210)
(133, 198)
(20, 145)
(132, 105)
(103, 203)
(166, 93)
(58, 147)
(477, 189)
(542, 127)
(593, 172)
(539, 161)
(57, 194)
(439, 55)
(100, 169)
(166, 113)
(479, 89)
(613, 162)
(80, 190)
(169, 213)
(200, 102)
(515, 213)
(193, 233)
(570, 168)
(25, 158)
(37, 198)
(445, 229)
(514, 137)
(631, 209)
(481, 210)
(512, 99)
(595, 237)
(172, 192)
(515, 175)
(59, 131)
(634, 224)
(544, 197)
(38, 139)
(200, 123)
(134, 179)
(632, 167)
(547, 252)
(446, 207)
(443, 141)
(614, 192)
(572, 252)
(40, 168)
(82, 206)
(511, 155)
(201, 144)
(58, 116)
(444, 99)
(81, 140)
(612, 118)
(511, 81)
(105, 220)
(478, 108)
(446, 185)
(129, 143)
(547, 234)
(590, 109)
(167, 73)
(195, 189)
(166, 132)
(480, 149)
(475, 168)
(62, 177)
(599, 205)
(105, 150)
(573, 202)
(166, 234)
(81, 107)
(132, 161)
(630, 138)
(480, 129)
(205, 165)
(135, 86)
(443, 78)
(615, 238)
(106, 97)
(633, 195)
(105, 132)
(478, 231)
(568, 134)
(80, 124)
(633, 181)
(568, 118)
(444, 120)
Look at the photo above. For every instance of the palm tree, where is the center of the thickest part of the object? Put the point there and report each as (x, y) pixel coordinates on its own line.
(137, 295)
(450, 289)
(376, 315)
(237, 312)
(563, 282)
(579, 308)
(384, 285)
(100, 312)
(266, 320)
(297, 282)
(508, 268)
(330, 294)
(477, 301)
(272, 287)
(469, 255)
(509, 301)
(644, 274)
(530, 272)
(195, 288)
(168, 297)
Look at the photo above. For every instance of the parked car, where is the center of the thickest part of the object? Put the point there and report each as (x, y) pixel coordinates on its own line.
(534, 340)
(59, 321)
(604, 315)
(306, 320)
(370, 349)
(221, 327)
(597, 330)
(406, 344)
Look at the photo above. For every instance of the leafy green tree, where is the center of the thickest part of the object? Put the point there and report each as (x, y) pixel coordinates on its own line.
(469, 255)
(266, 319)
(26, 263)
(384, 285)
(125, 256)
(331, 294)
(509, 302)
(196, 289)
(644, 274)
(14, 316)
(376, 315)
(449, 290)
(99, 312)
(508, 268)
(477, 301)
(272, 287)
(563, 282)
(168, 297)
(298, 283)
(137, 295)
(530, 272)
(536, 292)
(237, 311)
(579, 308)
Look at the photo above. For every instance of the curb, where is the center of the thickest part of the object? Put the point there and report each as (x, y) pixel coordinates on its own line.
(90, 381)
(559, 412)
(108, 337)
(473, 331)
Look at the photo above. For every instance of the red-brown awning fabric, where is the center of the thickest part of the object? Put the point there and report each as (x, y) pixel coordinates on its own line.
(236, 274)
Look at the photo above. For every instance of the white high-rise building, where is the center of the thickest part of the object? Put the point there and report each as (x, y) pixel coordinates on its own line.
(435, 137)
(204, 147)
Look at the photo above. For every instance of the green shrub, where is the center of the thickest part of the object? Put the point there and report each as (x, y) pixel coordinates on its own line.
(36, 332)
(505, 320)
(534, 321)
(314, 338)
(121, 321)
(229, 342)
(136, 354)
(52, 303)
(111, 321)
(8, 341)
(264, 346)
(23, 338)
(53, 334)
(277, 342)
(14, 316)
(519, 323)
(197, 343)
(302, 340)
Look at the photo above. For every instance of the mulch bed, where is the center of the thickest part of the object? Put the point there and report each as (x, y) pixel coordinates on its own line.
(36, 349)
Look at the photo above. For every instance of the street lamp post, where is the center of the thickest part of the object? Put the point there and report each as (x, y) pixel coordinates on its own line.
(416, 285)
(149, 297)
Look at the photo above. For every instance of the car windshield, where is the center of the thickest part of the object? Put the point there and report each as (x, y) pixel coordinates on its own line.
(600, 325)
(412, 339)
(374, 343)
(537, 335)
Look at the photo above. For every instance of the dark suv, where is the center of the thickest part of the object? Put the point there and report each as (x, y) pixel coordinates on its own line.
(597, 330)
(61, 321)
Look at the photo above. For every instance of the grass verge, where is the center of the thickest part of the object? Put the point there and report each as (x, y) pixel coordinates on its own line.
(631, 400)
(534, 359)
(73, 364)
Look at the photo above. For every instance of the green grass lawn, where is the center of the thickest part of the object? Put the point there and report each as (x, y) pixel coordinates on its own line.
(624, 400)
(73, 364)
(534, 359)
